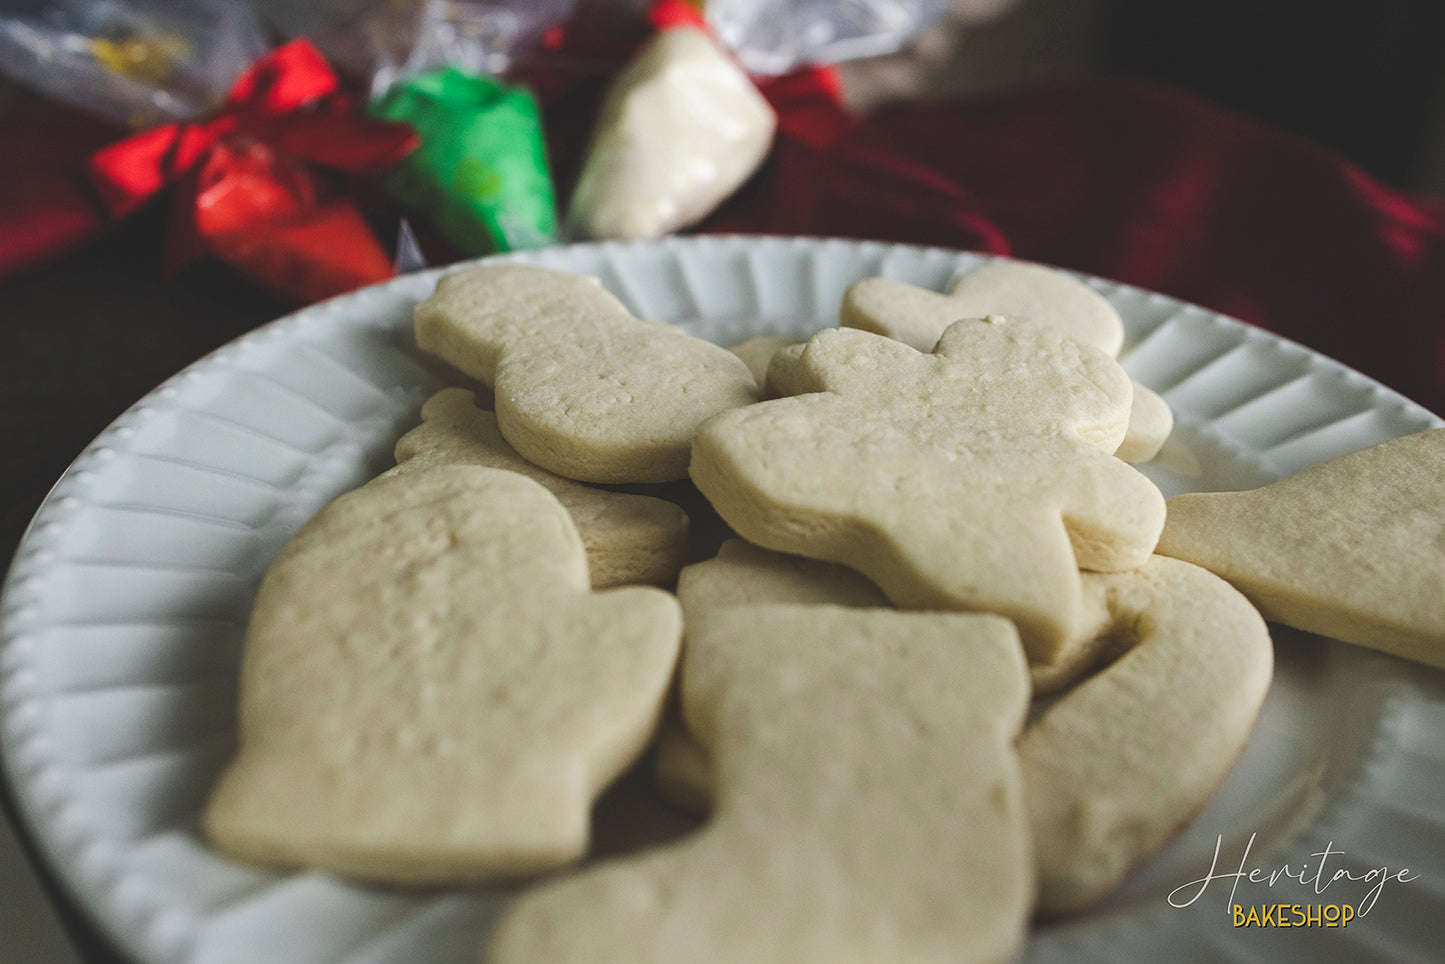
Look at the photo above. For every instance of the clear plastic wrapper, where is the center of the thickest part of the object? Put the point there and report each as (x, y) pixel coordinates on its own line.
(385, 41)
(135, 62)
(478, 37)
(775, 36)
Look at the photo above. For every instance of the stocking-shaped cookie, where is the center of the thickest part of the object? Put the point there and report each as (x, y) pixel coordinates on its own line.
(973, 478)
(582, 387)
(1353, 548)
(629, 538)
(1120, 763)
(1112, 769)
(742, 574)
(431, 693)
(867, 803)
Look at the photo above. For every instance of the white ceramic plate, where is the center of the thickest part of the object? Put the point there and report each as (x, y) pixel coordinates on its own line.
(123, 614)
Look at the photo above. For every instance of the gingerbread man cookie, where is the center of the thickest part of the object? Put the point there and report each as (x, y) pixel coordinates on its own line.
(1047, 296)
(973, 478)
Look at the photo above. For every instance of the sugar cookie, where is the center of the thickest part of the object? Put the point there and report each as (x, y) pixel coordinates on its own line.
(430, 693)
(583, 388)
(867, 808)
(1352, 548)
(1120, 763)
(1117, 766)
(974, 478)
(1150, 422)
(1043, 295)
(742, 574)
(629, 538)
(758, 352)
(781, 379)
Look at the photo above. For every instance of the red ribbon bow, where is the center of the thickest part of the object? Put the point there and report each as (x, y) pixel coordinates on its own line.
(248, 195)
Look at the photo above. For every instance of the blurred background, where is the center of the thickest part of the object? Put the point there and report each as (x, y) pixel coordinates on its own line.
(1367, 80)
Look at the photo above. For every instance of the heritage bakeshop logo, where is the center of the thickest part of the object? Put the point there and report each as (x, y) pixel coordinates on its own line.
(1316, 891)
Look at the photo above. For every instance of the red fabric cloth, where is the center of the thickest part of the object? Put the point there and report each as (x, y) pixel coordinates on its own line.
(1134, 182)
(47, 206)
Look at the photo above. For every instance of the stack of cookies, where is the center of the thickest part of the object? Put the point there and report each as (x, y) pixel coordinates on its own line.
(958, 666)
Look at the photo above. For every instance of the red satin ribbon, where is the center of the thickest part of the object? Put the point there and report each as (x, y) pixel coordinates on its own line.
(243, 172)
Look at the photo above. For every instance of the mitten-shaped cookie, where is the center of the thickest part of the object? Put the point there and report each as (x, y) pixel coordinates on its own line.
(583, 388)
(431, 693)
(629, 538)
(973, 478)
(1352, 548)
(867, 803)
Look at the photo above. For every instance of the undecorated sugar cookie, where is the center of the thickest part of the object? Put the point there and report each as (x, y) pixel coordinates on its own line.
(867, 803)
(781, 378)
(1120, 763)
(583, 389)
(1151, 421)
(1352, 548)
(629, 538)
(1115, 767)
(742, 574)
(430, 693)
(974, 478)
(1044, 295)
(757, 353)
